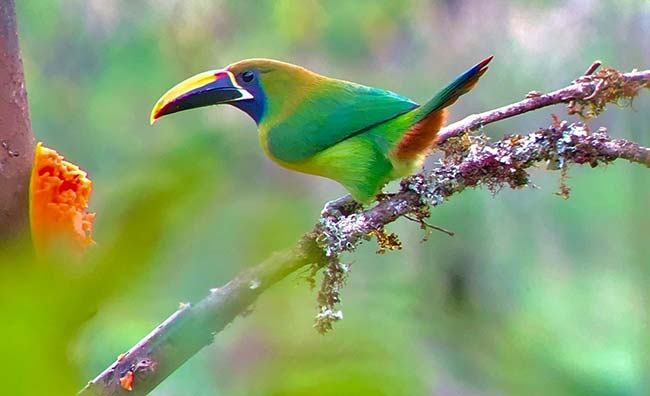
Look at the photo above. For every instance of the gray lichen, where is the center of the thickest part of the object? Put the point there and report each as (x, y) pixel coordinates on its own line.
(341, 233)
(335, 274)
(473, 161)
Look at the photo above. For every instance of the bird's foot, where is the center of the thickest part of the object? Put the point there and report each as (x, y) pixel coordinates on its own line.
(382, 196)
(342, 206)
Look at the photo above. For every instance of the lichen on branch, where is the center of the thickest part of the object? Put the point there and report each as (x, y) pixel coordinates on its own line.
(472, 161)
(610, 86)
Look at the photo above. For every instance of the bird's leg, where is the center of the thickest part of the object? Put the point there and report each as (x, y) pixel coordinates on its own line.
(382, 196)
(342, 206)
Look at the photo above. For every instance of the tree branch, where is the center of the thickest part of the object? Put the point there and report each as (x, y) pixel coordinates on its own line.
(16, 140)
(192, 327)
(468, 162)
(594, 90)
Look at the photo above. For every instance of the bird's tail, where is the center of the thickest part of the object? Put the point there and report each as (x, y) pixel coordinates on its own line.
(430, 117)
(460, 86)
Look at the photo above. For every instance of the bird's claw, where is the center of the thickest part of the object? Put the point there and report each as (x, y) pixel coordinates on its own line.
(342, 206)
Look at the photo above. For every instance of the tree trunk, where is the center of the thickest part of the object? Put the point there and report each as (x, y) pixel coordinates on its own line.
(16, 139)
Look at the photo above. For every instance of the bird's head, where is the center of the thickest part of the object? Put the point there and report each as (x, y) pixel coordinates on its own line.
(256, 86)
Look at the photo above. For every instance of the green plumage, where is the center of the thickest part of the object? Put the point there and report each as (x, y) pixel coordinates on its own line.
(333, 111)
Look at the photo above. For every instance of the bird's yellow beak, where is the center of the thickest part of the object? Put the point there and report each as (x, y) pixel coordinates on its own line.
(204, 89)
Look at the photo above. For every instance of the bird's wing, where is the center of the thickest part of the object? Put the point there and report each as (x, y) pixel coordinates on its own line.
(330, 115)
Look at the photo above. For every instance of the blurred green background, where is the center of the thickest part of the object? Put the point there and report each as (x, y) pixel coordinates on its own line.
(535, 295)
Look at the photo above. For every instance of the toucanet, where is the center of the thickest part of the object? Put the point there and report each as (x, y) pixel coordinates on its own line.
(360, 136)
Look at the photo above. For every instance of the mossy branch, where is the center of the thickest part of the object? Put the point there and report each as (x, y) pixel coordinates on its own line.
(587, 96)
(469, 161)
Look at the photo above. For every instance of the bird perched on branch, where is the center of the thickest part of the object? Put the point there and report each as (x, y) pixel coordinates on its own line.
(360, 136)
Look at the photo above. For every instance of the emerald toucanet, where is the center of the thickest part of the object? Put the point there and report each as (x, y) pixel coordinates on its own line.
(360, 136)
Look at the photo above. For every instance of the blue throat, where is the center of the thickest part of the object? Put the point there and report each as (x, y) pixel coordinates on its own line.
(253, 107)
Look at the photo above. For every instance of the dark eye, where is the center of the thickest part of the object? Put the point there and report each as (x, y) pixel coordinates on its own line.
(247, 76)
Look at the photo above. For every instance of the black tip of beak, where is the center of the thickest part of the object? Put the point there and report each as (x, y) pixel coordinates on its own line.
(200, 97)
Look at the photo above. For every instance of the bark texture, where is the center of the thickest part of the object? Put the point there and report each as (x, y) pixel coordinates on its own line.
(16, 139)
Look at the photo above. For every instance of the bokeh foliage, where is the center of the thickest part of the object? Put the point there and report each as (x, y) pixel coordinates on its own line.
(534, 295)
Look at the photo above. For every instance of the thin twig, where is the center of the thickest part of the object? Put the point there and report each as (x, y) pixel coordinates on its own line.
(594, 66)
(429, 225)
